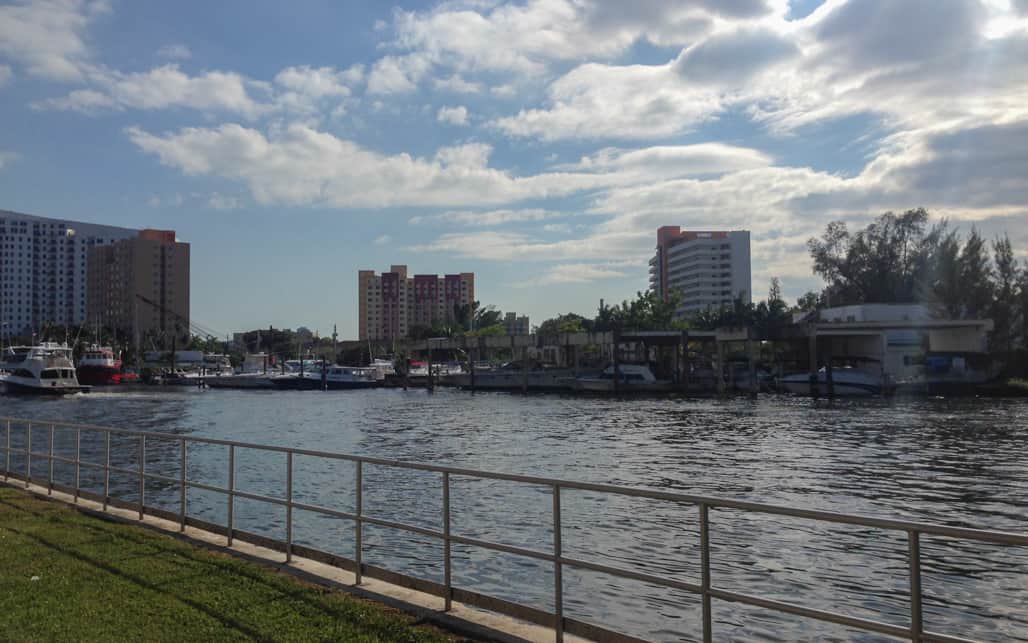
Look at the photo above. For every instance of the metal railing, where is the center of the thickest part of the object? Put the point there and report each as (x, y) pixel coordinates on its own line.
(561, 623)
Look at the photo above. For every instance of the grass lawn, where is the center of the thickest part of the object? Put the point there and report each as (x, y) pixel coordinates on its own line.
(65, 576)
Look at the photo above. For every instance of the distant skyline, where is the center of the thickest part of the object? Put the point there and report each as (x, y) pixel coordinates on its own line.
(538, 144)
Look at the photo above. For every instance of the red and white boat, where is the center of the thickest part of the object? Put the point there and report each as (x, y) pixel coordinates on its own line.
(98, 366)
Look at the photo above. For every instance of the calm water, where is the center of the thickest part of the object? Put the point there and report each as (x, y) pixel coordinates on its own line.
(956, 462)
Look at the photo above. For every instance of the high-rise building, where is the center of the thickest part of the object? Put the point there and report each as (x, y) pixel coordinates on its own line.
(515, 324)
(43, 270)
(141, 285)
(390, 304)
(708, 269)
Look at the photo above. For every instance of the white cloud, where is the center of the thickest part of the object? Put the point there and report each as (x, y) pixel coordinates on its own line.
(314, 82)
(578, 273)
(602, 101)
(457, 85)
(5, 75)
(298, 165)
(47, 37)
(453, 115)
(382, 240)
(876, 57)
(487, 218)
(220, 201)
(396, 74)
(176, 51)
(161, 88)
(652, 163)
(528, 38)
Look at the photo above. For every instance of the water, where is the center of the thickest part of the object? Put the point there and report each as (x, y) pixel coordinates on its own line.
(955, 462)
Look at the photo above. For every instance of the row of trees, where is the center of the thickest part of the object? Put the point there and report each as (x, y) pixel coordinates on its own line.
(473, 320)
(905, 258)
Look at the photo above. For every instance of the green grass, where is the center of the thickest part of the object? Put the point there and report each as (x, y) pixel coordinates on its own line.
(100, 580)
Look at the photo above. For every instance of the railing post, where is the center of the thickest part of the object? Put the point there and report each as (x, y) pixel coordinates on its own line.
(142, 474)
(558, 570)
(28, 457)
(705, 572)
(107, 468)
(231, 488)
(7, 460)
(50, 461)
(182, 490)
(289, 506)
(359, 529)
(447, 580)
(916, 617)
(78, 463)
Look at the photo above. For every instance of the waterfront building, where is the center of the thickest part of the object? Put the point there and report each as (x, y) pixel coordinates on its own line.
(43, 270)
(392, 303)
(905, 342)
(140, 287)
(516, 325)
(709, 269)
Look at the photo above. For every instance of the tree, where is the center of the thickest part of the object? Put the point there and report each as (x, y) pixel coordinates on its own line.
(807, 302)
(945, 290)
(975, 276)
(474, 315)
(883, 263)
(1004, 310)
(567, 323)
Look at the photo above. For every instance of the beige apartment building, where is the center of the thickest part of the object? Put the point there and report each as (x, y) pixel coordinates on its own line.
(390, 304)
(141, 285)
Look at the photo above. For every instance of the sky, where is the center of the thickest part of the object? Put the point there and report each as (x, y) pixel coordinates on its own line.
(537, 143)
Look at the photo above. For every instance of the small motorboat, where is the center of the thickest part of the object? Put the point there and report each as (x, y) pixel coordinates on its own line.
(847, 381)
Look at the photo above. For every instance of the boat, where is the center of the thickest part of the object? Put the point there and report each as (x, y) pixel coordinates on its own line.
(332, 378)
(634, 378)
(99, 367)
(45, 369)
(511, 377)
(847, 381)
(240, 381)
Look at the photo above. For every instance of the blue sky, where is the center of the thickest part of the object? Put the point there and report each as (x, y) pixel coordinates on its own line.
(537, 143)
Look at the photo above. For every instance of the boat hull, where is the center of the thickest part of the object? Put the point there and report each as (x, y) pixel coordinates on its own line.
(248, 382)
(98, 375)
(800, 385)
(19, 388)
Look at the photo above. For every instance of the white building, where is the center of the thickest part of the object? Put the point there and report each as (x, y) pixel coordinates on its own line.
(43, 270)
(708, 269)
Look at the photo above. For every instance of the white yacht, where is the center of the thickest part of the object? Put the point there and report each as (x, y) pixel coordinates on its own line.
(846, 381)
(45, 369)
(630, 377)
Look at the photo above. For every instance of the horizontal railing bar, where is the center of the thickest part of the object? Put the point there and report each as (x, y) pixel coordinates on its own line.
(324, 510)
(510, 549)
(256, 496)
(205, 487)
(943, 638)
(160, 478)
(981, 535)
(633, 575)
(809, 612)
(131, 472)
(424, 531)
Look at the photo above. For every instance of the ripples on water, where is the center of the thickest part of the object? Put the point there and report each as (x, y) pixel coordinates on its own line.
(955, 462)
